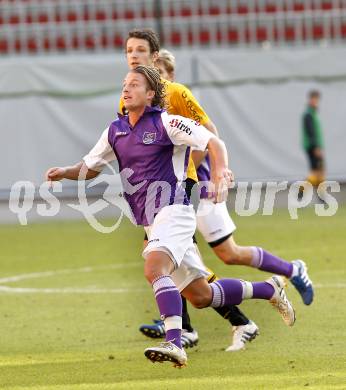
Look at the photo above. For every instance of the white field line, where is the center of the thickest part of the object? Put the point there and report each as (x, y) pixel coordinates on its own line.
(90, 290)
(69, 290)
(36, 275)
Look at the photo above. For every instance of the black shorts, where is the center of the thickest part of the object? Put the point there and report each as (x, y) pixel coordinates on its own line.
(316, 163)
(189, 183)
(218, 242)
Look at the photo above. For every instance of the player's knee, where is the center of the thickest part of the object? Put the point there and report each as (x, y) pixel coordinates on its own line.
(201, 300)
(236, 255)
(157, 264)
(230, 254)
(152, 271)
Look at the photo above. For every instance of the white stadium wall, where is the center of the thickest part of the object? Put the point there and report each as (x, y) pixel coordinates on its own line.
(53, 109)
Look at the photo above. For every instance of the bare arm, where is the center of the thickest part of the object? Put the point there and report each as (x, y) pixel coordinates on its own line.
(198, 156)
(74, 172)
(221, 175)
(212, 128)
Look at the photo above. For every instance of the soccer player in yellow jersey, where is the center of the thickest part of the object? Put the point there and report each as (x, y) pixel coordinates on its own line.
(142, 48)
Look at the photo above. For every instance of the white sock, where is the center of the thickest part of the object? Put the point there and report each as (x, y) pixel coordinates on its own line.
(257, 257)
(295, 271)
(247, 289)
(173, 322)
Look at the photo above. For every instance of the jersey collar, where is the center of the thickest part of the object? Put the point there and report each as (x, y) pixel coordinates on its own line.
(148, 109)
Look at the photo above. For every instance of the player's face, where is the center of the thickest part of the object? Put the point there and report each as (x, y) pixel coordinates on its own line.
(163, 71)
(314, 102)
(138, 53)
(135, 92)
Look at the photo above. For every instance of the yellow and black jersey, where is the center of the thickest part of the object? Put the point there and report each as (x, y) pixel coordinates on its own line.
(180, 101)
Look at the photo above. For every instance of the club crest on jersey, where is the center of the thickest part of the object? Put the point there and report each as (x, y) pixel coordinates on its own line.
(149, 138)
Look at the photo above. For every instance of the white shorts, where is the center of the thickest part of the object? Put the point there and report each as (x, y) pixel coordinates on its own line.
(213, 220)
(172, 233)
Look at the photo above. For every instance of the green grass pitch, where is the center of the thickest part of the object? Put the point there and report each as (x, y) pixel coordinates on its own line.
(72, 299)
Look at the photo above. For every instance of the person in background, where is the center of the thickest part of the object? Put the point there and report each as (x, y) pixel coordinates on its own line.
(313, 143)
(165, 64)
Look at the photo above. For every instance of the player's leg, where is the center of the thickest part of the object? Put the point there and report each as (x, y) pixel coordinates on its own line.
(191, 282)
(190, 278)
(315, 178)
(316, 175)
(311, 177)
(217, 227)
(173, 241)
(231, 313)
(234, 291)
(193, 268)
(157, 328)
(243, 329)
(256, 257)
(320, 178)
(321, 187)
(189, 336)
(158, 267)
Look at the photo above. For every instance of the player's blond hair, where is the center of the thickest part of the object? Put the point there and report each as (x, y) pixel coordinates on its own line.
(155, 84)
(167, 59)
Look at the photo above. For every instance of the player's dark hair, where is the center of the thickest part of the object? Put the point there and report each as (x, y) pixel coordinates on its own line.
(148, 35)
(314, 94)
(155, 84)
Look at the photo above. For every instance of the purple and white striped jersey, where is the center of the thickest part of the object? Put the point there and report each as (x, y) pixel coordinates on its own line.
(155, 152)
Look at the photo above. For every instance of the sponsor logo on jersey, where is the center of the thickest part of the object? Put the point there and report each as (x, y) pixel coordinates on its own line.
(178, 123)
(121, 133)
(149, 138)
(154, 240)
(190, 105)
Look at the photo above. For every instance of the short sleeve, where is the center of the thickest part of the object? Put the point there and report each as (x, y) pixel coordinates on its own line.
(101, 154)
(182, 102)
(184, 131)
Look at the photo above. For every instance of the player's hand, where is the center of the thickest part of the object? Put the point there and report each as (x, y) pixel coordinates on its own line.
(222, 180)
(55, 174)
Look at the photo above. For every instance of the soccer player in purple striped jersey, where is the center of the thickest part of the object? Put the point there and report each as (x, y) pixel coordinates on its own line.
(148, 142)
